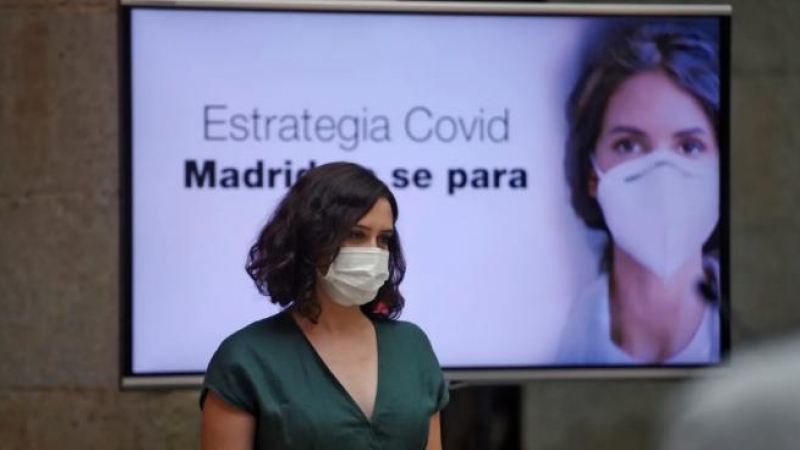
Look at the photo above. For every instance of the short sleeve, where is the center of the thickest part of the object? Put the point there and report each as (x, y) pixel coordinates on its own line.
(444, 395)
(227, 377)
(439, 387)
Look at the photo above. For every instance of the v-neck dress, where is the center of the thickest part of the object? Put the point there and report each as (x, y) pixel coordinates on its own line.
(270, 370)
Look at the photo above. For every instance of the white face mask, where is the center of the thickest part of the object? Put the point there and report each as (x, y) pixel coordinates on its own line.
(661, 207)
(356, 275)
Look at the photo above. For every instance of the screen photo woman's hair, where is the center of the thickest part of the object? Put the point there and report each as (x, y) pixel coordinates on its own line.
(686, 52)
(306, 230)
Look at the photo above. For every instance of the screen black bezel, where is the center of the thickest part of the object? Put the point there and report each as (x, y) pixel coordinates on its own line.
(475, 374)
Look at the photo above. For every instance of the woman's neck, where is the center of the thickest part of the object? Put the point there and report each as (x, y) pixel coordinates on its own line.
(333, 317)
(654, 319)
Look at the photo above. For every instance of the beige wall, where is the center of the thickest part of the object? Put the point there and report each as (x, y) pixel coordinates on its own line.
(59, 226)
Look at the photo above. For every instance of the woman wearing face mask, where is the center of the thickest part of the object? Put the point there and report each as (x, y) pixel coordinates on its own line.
(334, 369)
(643, 165)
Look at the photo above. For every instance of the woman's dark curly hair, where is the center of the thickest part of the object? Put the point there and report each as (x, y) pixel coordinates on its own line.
(306, 231)
(681, 52)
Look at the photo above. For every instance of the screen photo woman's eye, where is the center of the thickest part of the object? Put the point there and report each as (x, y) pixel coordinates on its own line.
(384, 240)
(691, 147)
(627, 146)
(355, 237)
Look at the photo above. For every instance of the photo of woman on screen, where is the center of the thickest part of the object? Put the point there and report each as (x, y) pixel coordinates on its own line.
(642, 161)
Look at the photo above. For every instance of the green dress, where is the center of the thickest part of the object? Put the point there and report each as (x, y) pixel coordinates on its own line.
(270, 370)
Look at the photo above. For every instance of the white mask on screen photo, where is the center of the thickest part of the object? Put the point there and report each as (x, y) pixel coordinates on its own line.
(355, 275)
(661, 208)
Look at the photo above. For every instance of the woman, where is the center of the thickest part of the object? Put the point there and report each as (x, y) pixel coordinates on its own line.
(334, 369)
(643, 165)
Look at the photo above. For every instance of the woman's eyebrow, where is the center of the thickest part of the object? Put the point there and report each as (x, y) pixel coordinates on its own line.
(690, 131)
(367, 228)
(627, 129)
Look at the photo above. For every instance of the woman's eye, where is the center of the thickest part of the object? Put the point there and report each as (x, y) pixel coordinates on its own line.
(356, 235)
(691, 147)
(384, 241)
(627, 146)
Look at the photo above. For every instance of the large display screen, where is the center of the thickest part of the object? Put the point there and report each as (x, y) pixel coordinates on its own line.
(560, 173)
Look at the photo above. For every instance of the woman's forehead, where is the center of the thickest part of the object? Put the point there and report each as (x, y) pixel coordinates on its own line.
(652, 101)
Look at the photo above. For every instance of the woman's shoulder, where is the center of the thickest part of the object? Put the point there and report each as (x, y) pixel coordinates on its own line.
(400, 327)
(403, 333)
(403, 342)
(586, 327)
(260, 335)
(244, 359)
(591, 303)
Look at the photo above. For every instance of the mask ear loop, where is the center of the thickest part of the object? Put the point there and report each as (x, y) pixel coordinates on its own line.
(599, 172)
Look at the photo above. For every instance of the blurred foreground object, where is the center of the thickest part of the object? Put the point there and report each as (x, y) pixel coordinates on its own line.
(752, 404)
